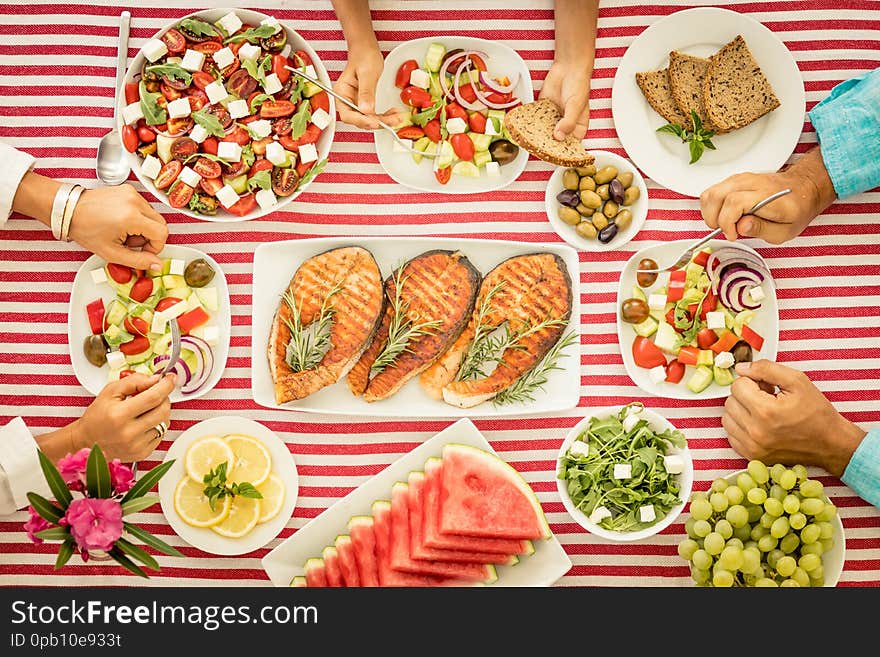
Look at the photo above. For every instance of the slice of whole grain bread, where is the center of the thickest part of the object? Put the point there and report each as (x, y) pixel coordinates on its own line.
(531, 127)
(686, 76)
(655, 87)
(736, 92)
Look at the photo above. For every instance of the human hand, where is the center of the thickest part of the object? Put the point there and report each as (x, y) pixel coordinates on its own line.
(112, 221)
(568, 85)
(357, 82)
(123, 417)
(795, 424)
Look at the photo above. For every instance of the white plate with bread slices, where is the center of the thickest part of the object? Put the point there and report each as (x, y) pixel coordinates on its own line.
(729, 69)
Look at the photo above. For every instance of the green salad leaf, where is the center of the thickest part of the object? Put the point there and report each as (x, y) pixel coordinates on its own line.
(253, 35)
(154, 114)
(175, 71)
(209, 122)
(300, 120)
(421, 118)
(260, 180)
(258, 100)
(311, 173)
(198, 27)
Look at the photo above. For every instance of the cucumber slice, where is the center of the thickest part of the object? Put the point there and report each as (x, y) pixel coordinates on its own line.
(482, 158)
(666, 337)
(163, 146)
(434, 57)
(646, 328)
(639, 293)
(434, 89)
(446, 155)
(723, 375)
(468, 169)
(700, 379)
(742, 319)
(239, 183)
(310, 89)
(481, 142)
(116, 312)
(173, 281)
(134, 359)
(705, 357)
(421, 145)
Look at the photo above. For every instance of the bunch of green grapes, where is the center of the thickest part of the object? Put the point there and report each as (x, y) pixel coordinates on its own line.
(769, 528)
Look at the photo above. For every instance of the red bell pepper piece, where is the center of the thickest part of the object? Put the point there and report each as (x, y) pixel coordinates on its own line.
(701, 258)
(95, 311)
(755, 340)
(710, 303)
(725, 343)
(676, 285)
(192, 319)
(688, 355)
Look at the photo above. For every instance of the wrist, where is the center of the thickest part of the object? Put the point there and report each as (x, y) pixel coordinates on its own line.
(813, 179)
(845, 438)
(76, 436)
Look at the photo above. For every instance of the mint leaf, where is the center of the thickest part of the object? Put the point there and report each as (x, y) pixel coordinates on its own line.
(153, 113)
(300, 120)
(175, 71)
(209, 122)
(260, 180)
(198, 27)
(253, 35)
(672, 129)
(696, 148)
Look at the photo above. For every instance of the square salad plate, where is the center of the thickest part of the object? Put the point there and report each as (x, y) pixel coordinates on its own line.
(544, 567)
(275, 264)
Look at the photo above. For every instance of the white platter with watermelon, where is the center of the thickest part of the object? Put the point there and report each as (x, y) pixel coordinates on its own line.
(332, 545)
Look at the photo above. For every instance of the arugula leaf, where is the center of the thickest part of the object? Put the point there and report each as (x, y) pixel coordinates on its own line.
(421, 118)
(260, 180)
(258, 100)
(311, 173)
(296, 89)
(209, 122)
(207, 156)
(153, 113)
(175, 71)
(253, 35)
(247, 155)
(257, 70)
(300, 120)
(198, 27)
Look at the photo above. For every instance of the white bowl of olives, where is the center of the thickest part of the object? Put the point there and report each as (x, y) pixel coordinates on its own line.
(600, 207)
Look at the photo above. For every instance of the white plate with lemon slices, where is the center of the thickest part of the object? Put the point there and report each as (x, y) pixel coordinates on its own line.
(239, 524)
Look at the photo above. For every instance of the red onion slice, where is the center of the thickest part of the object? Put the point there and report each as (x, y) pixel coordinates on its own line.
(735, 283)
(483, 98)
(455, 90)
(204, 359)
(180, 368)
(444, 69)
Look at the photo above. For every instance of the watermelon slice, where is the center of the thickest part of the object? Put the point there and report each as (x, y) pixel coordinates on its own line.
(400, 547)
(434, 539)
(418, 549)
(363, 542)
(315, 573)
(298, 582)
(347, 564)
(481, 495)
(331, 567)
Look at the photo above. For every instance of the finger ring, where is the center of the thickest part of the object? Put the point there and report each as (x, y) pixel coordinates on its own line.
(160, 428)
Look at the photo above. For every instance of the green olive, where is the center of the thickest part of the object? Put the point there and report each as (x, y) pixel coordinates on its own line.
(605, 175)
(631, 195)
(610, 209)
(591, 199)
(95, 350)
(587, 183)
(198, 273)
(599, 221)
(568, 215)
(586, 230)
(584, 211)
(586, 171)
(625, 178)
(623, 219)
(570, 179)
(604, 192)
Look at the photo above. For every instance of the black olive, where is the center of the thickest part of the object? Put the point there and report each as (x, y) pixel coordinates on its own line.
(95, 350)
(198, 273)
(568, 197)
(616, 191)
(742, 352)
(608, 233)
(274, 43)
(503, 151)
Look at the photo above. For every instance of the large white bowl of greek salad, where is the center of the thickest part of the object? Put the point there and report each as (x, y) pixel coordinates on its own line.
(214, 123)
(454, 92)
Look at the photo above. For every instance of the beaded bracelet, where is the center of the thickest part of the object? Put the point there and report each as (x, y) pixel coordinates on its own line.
(69, 207)
(58, 206)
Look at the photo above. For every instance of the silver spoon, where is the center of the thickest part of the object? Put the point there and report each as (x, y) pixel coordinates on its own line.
(112, 163)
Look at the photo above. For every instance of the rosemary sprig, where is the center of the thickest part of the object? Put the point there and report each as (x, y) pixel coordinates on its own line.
(305, 350)
(401, 330)
(524, 387)
(478, 352)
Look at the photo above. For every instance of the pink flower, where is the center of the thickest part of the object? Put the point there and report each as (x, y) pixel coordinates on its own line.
(35, 523)
(95, 523)
(73, 469)
(121, 476)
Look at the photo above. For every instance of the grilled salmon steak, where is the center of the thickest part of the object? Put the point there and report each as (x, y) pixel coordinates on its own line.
(528, 290)
(345, 281)
(436, 295)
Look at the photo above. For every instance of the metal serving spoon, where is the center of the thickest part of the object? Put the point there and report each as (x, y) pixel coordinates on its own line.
(112, 163)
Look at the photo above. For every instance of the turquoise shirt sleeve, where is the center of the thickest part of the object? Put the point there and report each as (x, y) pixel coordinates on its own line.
(863, 472)
(847, 124)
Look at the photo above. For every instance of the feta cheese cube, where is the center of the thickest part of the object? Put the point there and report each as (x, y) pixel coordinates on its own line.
(271, 20)
(320, 118)
(579, 448)
(456, 126)
(401, 146)
(132, 113)
(178, 108)
(493, 169)
(308, 153)
(275, 153)
(223, 57)
(98, 276)
(490, 128)
(724, 360)
(715, 320)
(115, 359)
(757, 294)
(159, 322)
(198, 134)
(657, 301)
(227, 196)
(229, 151)
(647, 513)
(630, 421)
(311, 72)
(178, 266)
(657, 374)
(249, 52)
(191, 178)
(216, 92)
(238, 109)
(211, 335)
(151, 166)
(175, 311)
(154, 49)
(420, 78)
(231, 23)
(622, 470)
(599, 514)
(266, 199)
(261, 128)
(272, 84)
(673, 463)
(193, 60)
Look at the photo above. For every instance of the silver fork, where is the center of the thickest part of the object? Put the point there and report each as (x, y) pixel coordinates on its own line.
(345, 101)
(688, 253)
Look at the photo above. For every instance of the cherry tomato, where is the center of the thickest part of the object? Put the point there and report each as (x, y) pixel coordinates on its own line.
(180, 194)
(169, 92)
(195, 317)
(463, 146)
(310, 136)
(260, 164)
(495, 97)
(142, 288)
(197, 100)
(207, 47)
(232, 68)
(320, 101)
(674, 371)
(174, 41)
(166, 303)
(284, 181)
(207, 168)
(454, 110)
(233, 169)
(477, 122)
(411, 132)
(415, 97)
(272, 109)
(646, 354)
(136, 325)
(168, 174)
(260, 145)
(241, 84)
(244, 205)
(132, 93)
(279, 67)
(129, 138)
(183, 148)
(211, 185)
(301, 57)
(146, 134)
(467, 92)
(202, 79)
(302, 168)
(95, 313)
(401, 80)
(239, 135)
(443, 175)
(432, 130)
(119, 273)
(136, 345)
(706, 338)
(210, 145)
(179, 126)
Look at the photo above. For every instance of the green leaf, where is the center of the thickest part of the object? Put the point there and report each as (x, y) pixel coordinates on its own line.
(117, 556)
(247, 155)
(255, 69)
(260, 180)
(695, 119)
(253, 35)
(247, 489)
(300, 120)
(199, 27)
(65, 551)
(175, 71)
(55, 480)
(696, 148)
(138, 553)
(46, 510)
(148, 539)
(207, 156)
(708, 144)
(422, 118)
(258, 100)
(54, 534)
(672, 129)
(139, 504)
(98, 474)
(209, 122)
(153, 114)
(146, 483)
(311, 173)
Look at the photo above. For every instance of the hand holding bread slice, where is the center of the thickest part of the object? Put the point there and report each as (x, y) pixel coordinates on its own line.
(531, 127)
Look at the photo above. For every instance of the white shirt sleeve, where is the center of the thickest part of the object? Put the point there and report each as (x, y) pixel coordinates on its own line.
(20, 471)
(13, 165)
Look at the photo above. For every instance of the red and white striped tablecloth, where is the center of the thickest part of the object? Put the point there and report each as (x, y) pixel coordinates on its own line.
(57, 65)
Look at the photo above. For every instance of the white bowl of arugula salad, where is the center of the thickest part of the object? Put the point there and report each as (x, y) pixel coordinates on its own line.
(454, 92)
(681, 333)
(214, 123)
(118, 321)
(624, 473)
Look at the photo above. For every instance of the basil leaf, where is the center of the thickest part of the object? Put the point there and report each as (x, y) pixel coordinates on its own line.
(258, 100)
(261, 179)
(253, 35)
(175, 71)
(695, 119)
(209, 122)
(708, 144)
(198, 27)
(696, 148)
(153, 113)
(300, 121)
(672, 129)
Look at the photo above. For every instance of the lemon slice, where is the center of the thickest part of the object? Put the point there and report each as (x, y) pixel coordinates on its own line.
(253, 463)
(273, 492)
(192, 505)
(205, 455)
(244, 514)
